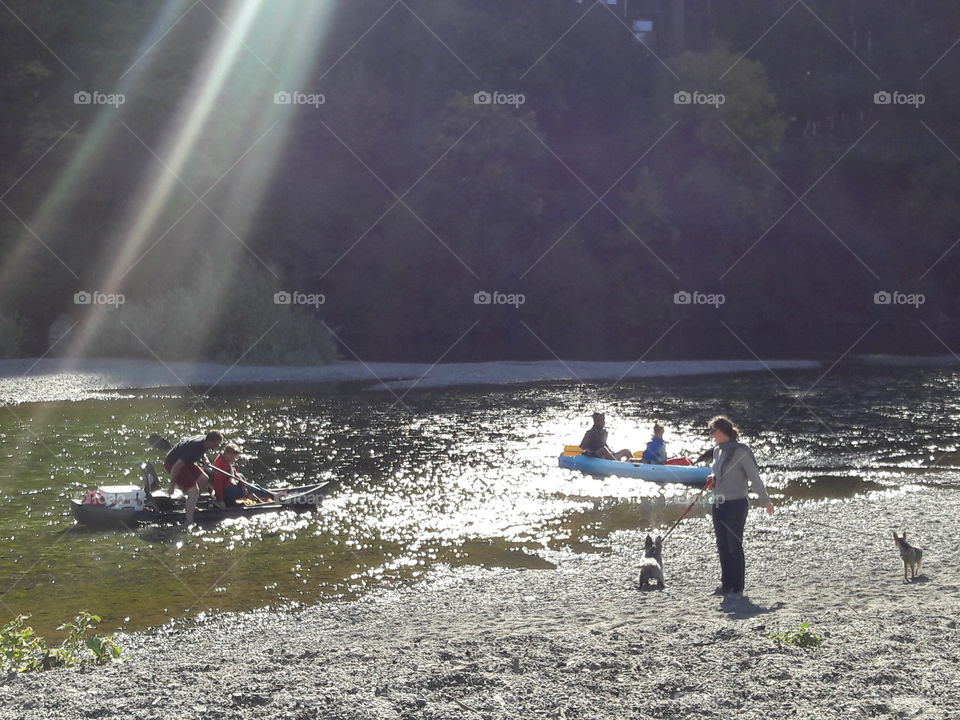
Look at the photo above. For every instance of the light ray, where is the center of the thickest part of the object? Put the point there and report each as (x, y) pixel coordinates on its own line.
(91, 153)
(223, 114)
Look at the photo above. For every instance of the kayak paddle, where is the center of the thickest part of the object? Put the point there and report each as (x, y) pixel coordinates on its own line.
(252, 486)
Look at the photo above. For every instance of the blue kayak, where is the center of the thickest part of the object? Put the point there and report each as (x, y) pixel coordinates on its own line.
(686, 474)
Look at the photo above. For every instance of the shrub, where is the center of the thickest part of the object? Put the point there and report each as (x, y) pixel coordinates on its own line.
(802, 637)
(22, 650)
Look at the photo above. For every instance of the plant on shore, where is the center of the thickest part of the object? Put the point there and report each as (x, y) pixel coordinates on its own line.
(21, 650)
(802, 637)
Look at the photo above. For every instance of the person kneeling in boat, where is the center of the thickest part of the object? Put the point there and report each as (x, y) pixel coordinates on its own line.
(594, 443)
(656, 451)
(226, 490)
(183, 464)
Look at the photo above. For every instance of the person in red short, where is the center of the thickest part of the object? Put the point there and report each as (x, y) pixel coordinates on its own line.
(183, 464)
(226, 490)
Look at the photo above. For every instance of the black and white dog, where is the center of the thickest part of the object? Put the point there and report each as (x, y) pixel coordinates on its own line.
(651, 567)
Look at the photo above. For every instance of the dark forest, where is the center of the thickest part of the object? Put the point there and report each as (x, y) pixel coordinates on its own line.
(479, 180)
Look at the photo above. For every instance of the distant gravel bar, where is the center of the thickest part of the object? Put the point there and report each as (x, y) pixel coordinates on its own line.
(50, 380)
(581, 641)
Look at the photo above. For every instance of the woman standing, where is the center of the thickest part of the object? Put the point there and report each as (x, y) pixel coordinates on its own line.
(734, 468)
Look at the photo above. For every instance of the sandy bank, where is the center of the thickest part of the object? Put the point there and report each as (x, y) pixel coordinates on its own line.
(581, 641)
(903, 360)
(53, 379)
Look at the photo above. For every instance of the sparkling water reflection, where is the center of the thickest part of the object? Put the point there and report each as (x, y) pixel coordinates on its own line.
(468, 478)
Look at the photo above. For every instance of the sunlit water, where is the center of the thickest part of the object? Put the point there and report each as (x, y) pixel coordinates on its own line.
(442, 480)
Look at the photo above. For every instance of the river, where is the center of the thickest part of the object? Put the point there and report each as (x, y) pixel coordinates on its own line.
(446, 478)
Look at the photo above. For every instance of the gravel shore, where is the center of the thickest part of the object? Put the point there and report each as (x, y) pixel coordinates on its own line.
(581, 641)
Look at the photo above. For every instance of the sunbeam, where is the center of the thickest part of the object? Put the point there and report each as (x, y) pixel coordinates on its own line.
(226, 115)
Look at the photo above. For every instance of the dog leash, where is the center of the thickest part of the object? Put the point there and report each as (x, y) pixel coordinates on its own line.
(685, 513)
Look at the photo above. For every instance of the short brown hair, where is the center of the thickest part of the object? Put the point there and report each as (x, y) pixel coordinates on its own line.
(214, 436)
(726, 426)
(231, 448)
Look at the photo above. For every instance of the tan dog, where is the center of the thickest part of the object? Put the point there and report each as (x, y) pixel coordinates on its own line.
(911, 556)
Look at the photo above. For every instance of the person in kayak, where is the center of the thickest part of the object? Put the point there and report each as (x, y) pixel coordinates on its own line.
(183, 465)
(656, 450)
(226, 490)
(594, 443)
(734, 468)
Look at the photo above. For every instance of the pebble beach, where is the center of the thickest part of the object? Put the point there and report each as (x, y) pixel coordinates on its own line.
(581, 640)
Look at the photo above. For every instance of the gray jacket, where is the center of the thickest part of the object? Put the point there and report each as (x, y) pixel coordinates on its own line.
(734, 467)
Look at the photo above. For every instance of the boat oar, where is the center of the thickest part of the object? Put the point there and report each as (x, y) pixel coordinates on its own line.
(252, 486)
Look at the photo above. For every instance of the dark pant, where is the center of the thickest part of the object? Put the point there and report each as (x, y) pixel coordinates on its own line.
(231, 494)
(729, 519)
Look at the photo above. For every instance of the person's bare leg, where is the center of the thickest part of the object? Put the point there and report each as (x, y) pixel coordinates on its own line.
(623, 455)
(193, 494)
(204, 484)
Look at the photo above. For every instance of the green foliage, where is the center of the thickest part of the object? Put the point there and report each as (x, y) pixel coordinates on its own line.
(719, 150)
(802, 637)
(103, 648)
(226, 313)
(22, 650)
(748, 107)
(316, 197)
